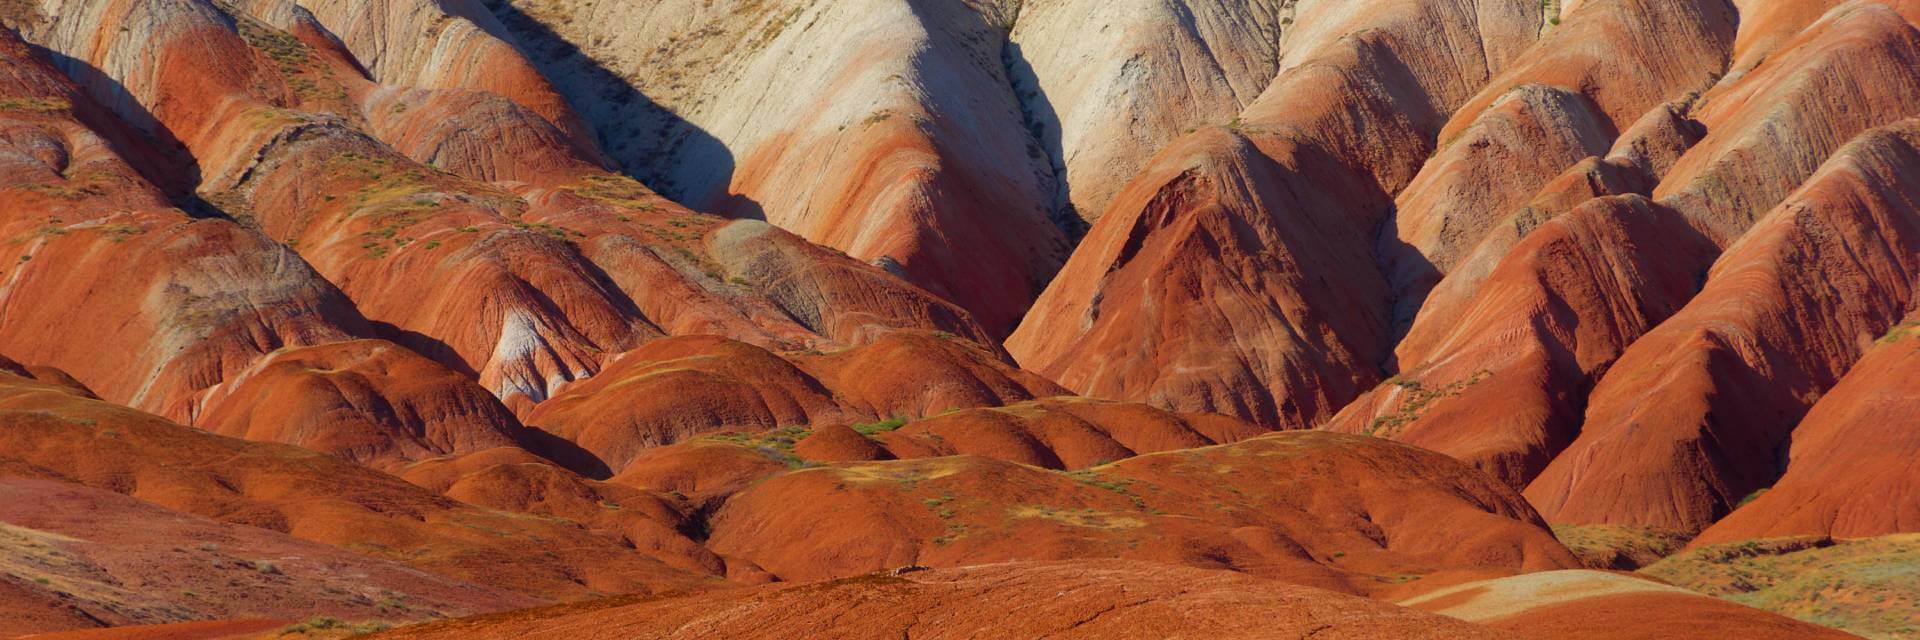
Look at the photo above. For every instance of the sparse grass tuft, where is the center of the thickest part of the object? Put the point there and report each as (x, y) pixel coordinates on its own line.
(1900, 332)
(871, 429)
(1863, 586)
(776, 445)
(1419, 398)
(35, 105)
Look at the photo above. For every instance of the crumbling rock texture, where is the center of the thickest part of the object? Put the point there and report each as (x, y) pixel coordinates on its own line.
(1265, 318)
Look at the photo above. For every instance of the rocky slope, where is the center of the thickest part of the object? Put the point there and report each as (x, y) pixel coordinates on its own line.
(1707, 400)
(1102, 81)
(1222, 276)
(1847, 475)
(885, 129)
(740, 311)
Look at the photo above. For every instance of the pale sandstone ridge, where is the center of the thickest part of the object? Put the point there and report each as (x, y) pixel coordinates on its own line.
(884, 129)
(1594, 604)
(1105, 84)
(1231, 274)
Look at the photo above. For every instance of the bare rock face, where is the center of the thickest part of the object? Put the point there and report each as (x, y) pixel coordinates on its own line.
(1106, 84)
(440, 44)
(275, 144)
(1483, 173)
(886, 130)
(511, 281)
(154, 306)
(674, 389)
(500, 303)
(1509, 160)
(509, 479)
(1230, 274)
(1502, 385)
(1697, 414)
(1848, 472)
(1770, 128)
(1642, 153)
(1060, 433)
(1574, 93)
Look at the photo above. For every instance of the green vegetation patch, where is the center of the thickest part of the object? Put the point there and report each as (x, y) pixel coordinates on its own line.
(330, 623)
(1620, 547)
(871, 429)
(776, 445)
(616, 190)
(41, 106)
(1122, 486)
(1900, 332)
(1419, 398)
(1869, 587)
(1085, 518)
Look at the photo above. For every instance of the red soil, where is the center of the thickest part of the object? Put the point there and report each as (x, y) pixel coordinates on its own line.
(1077, 599)
(1342, 512)
(313, 497)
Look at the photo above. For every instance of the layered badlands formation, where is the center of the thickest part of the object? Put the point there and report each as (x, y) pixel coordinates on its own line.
(764, 318)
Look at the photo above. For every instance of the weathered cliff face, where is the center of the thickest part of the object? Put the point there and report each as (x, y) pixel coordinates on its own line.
(885, 129)
(1584, 82)
(1234, 273)
(559, 299)
(1706, 402)
(1849, 474)
(1517, 282)
(432, 44)
(1105, 84)
(111, 283)
(1503, 385)
(1769, 127)
(513, 286)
